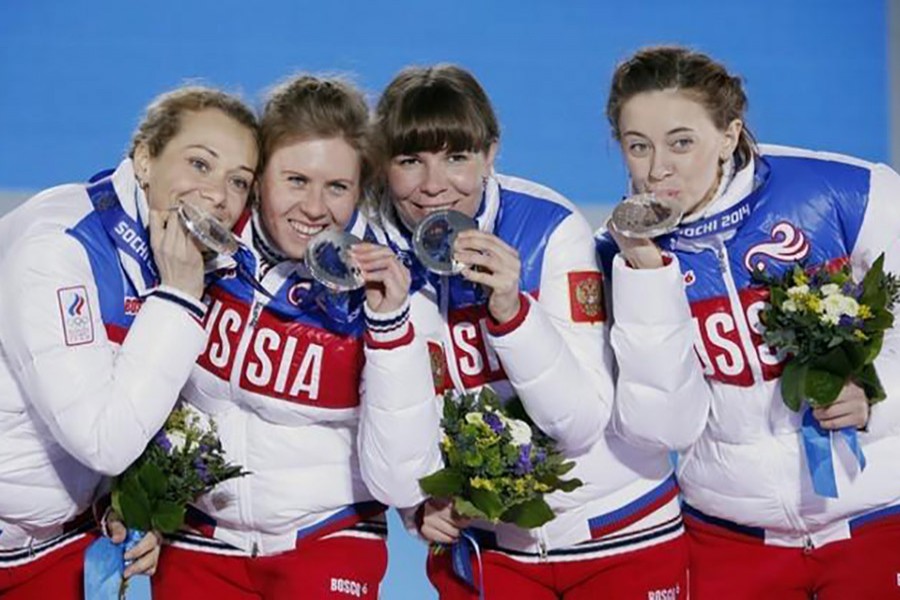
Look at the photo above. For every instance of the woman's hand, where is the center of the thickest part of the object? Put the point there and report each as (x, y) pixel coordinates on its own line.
(176, 253)
(851, 409)
(495, 264)
(144, 555)
(439, 522)
(640, 253)
(387, 280)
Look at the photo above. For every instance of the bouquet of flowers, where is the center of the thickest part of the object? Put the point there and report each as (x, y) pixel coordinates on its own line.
(184, 461)
(498, 464)
(831, 327)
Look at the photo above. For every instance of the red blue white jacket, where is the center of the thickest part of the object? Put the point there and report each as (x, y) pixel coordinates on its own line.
(743, 460)
(553, 355)
(92, 352)
(280, 376)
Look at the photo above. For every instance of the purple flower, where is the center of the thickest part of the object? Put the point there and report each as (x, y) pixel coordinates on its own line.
(493, 421)
(539, 456)
(846, 322)
(162, 440)
(523, 464)
(200, 468)
(852, 290)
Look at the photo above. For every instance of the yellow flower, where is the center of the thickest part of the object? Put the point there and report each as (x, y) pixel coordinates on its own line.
(858, 334)
(800, 277)
(482, 483)
(813, 304)
(864, 312)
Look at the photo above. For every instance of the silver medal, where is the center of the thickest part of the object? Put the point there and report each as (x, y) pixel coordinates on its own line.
(433, 240)
(207, 230)
(646, 216)
(329, 261)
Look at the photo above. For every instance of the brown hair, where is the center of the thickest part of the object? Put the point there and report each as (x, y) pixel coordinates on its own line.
(674, 67)
(308, 106)
(428, 109)
(162, 118)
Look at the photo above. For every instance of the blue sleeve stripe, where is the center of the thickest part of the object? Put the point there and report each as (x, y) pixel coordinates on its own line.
(198, 312)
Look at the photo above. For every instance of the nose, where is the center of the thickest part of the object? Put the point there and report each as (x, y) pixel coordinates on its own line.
(313, 205)
(660, 166)
(216, 193)
(435, 180)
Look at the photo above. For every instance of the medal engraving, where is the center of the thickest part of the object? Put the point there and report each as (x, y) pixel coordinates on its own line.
(329, 262)
(207, 230)
(645, 216)
(433, 240)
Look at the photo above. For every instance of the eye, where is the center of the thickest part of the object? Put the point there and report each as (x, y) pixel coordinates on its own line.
(338, 188)
(458, 157)
(199, 164)
(406, 161)
(241, 183)
(682, 144)
(297, 180)
(638, 148)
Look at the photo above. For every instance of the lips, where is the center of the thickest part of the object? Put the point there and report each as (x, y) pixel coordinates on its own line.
(430, 208)
(306, 229)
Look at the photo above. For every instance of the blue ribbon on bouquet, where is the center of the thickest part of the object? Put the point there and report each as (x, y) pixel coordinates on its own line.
(817, 443)
(461, 559)
(104, 564)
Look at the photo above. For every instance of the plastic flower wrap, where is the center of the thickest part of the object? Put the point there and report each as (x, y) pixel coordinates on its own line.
(184, 461)
(831, 327)
(499, 465)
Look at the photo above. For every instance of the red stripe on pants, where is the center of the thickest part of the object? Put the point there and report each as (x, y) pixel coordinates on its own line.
(337, 567)
(59, 574)
(864, 567)
(655, 573)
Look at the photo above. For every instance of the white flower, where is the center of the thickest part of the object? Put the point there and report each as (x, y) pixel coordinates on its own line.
(836, 306)
(177, 439)
(789, 305)
(798, 290)
(475, 418)
(830, 289)
(519, 431)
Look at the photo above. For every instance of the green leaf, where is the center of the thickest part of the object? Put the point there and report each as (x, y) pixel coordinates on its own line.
(487, 502)
(168, 517)
(134, 508)
(873, 292)
(152, 480)
(871, 384)
(529, 514)
(570, 485)
(838, 362)
(793, 382)
(443, 484)
(881, 320)
(822, 387)
(565, 467)
(466, 509)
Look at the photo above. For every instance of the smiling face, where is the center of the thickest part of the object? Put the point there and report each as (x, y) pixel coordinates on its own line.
(308, 185)
(672, 147)
(423, 182)
(210, 161)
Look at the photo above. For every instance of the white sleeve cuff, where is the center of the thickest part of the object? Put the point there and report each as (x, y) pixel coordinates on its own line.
(388, 326)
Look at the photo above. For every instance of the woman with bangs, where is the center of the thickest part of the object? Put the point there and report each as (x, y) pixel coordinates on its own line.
(525, 316)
